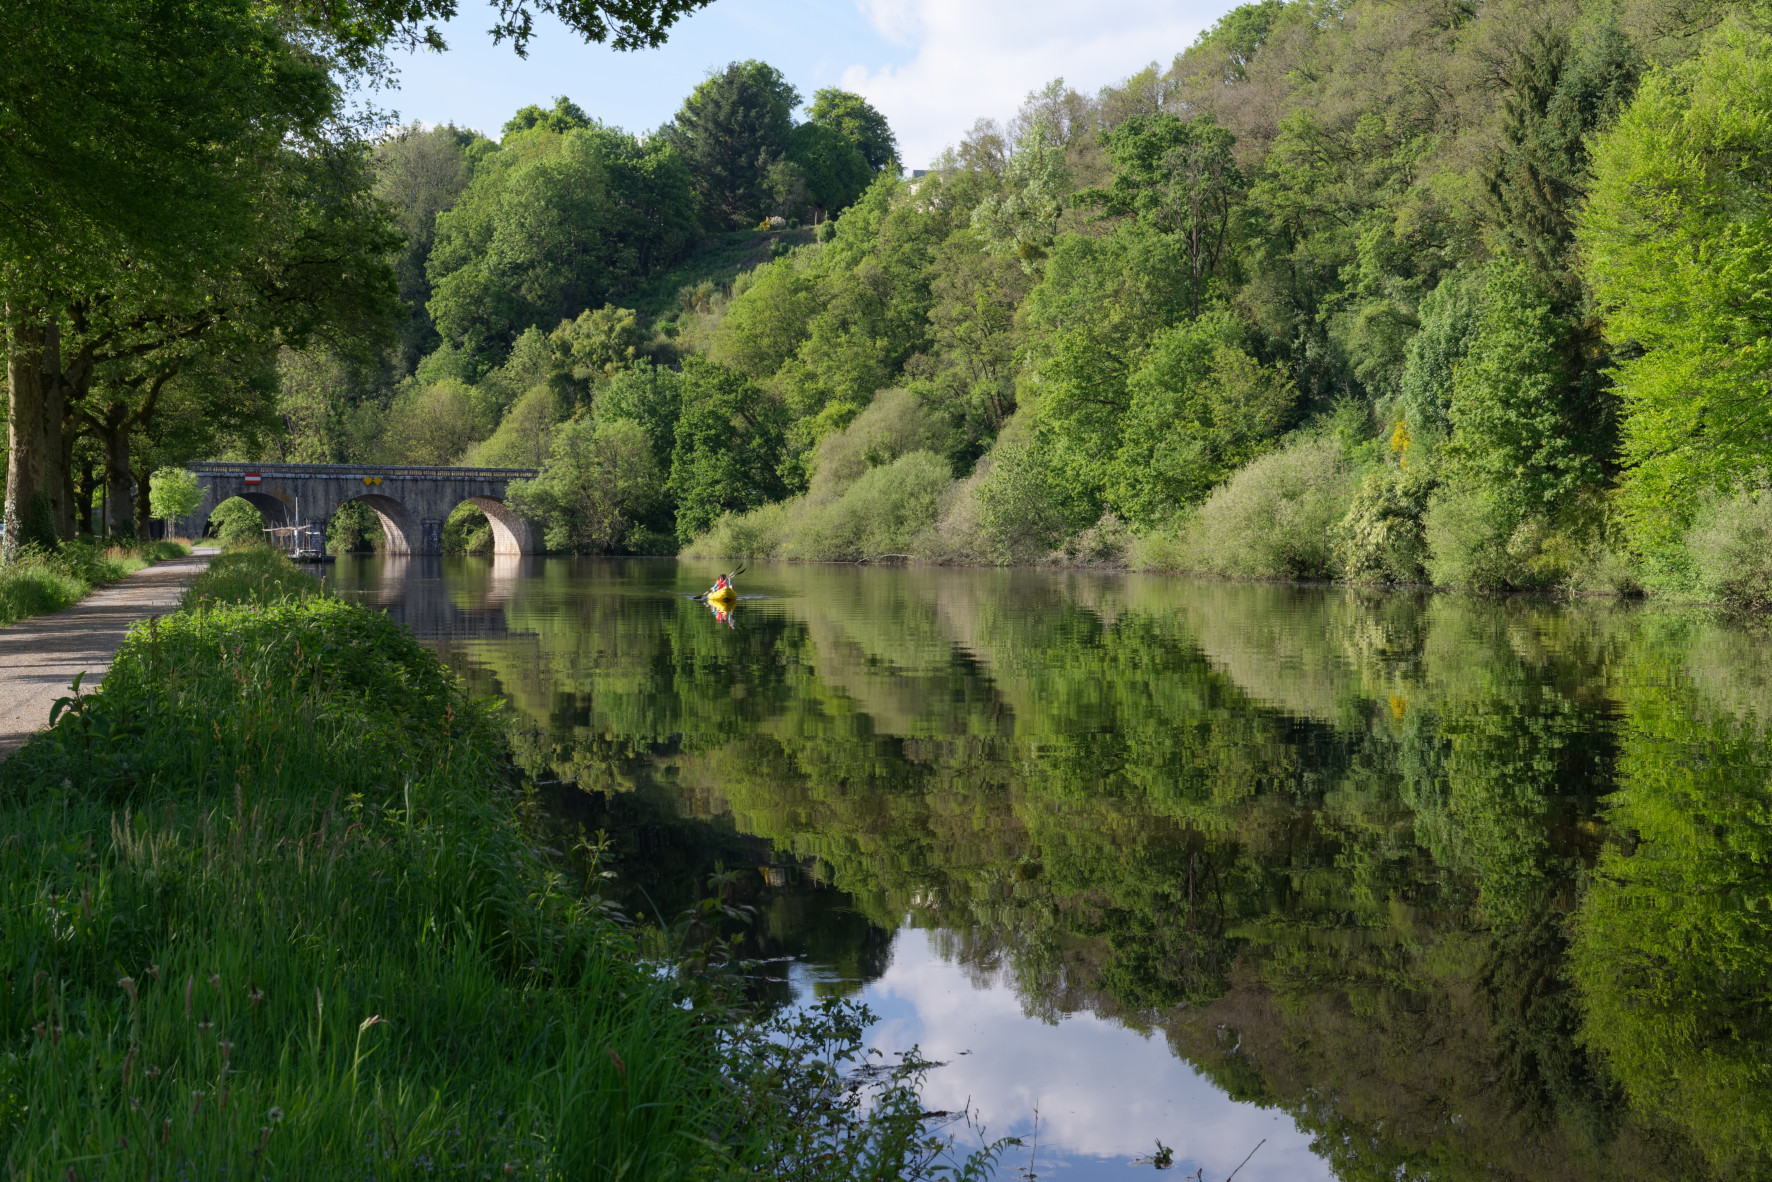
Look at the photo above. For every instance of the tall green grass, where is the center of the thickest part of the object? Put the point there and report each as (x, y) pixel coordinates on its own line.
(41, 580)
(269, 911)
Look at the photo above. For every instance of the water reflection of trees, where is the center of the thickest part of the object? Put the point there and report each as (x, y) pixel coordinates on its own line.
(1471, 888)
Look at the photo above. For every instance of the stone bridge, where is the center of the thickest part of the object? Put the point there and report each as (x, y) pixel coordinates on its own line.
(412, 502)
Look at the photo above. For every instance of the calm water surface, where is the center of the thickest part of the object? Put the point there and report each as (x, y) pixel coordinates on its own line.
(1394, 886)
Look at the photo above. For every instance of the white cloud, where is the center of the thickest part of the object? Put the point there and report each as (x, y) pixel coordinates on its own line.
(1104, 1093)
(977, 58)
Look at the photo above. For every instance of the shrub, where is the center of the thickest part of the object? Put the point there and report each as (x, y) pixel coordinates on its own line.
(761, 533)
(894, 424)
(355, 529)
(256, 575)
(1381, 538)
(466, 531)
(1731, 549)
(1024, 508)
(237, 522)
(1468, 532)
(255, 771)
(885, 511)
(877, 487)
(599, 480)
(1273, 519)
(1477, 540)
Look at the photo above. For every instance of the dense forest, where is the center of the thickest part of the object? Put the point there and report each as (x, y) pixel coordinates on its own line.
(1389, 292)
(1386, 292)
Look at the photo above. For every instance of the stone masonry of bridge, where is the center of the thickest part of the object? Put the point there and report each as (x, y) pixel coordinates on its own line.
(412, 502)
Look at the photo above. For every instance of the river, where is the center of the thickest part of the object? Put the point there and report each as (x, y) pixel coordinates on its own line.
(1387, 885)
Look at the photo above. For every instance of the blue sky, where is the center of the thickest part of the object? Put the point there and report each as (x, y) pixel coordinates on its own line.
(933, 66)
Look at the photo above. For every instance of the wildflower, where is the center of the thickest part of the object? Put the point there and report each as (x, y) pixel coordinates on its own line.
(55, 1032)
(128, 986)
(205, 1025)
(225, 1046)
(196, 1101)
(153, 1073)
(154, 972)
(255, 997)
(276, 1115)
(215, 980)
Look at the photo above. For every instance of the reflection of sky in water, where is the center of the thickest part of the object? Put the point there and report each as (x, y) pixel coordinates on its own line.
(1105, 1093)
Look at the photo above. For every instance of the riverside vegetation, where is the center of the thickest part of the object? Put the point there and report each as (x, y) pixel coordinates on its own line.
(47, 579)
(1380, 291)
(274, 908)
(1383, 292)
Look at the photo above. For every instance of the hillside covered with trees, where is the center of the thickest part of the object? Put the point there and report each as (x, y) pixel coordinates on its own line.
(1389, 292)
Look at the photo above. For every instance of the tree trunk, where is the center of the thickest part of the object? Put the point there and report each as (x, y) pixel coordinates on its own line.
(28, 514)
(55, 459)
(143, 485)
(85, 490)
(117, 476)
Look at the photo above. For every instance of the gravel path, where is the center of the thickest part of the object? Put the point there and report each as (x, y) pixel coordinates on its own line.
(40, 656)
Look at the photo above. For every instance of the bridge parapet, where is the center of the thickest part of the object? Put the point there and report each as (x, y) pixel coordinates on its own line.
(412, 501)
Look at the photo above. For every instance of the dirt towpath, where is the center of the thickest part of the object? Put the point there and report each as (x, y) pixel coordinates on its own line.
(41, 655)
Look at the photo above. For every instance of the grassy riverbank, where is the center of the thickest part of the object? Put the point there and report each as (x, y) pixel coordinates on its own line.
(272, 908)
(42, 581)
(266, 913)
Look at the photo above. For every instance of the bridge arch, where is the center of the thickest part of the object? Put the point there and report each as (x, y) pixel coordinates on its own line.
(273, 509)
(511, 534)
(399, 525)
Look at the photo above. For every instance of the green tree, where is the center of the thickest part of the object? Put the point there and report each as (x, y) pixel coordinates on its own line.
(174, 492)
(564, 116)
(650, 395)
(1448, 319)
(1523, 426)
(1023, 220)
(237, 522)
(858, 121)
(731, 131)
(835, 170)
(551, 225)
(133, 134)
(968, 375)
(599, 344)
(1676, 242)
(1102, 303)
(1199, 408)
(1179, 177)
(421, 173)
(599, 480)
(728, 447)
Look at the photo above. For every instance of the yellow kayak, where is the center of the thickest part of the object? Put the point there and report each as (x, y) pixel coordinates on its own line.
(723, 591)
